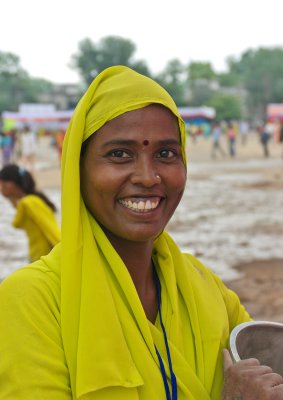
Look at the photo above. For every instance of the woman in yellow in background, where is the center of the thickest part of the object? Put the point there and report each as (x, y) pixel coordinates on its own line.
(116, 311)
(35, 213)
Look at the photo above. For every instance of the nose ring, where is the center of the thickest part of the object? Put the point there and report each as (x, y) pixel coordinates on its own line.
(158, 177)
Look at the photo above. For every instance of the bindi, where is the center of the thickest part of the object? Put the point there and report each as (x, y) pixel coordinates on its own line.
(145, 142)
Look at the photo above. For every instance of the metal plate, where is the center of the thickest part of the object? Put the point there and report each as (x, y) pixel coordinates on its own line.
(259, 339)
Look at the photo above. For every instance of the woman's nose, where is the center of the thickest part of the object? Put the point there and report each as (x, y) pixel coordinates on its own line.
(145, 174)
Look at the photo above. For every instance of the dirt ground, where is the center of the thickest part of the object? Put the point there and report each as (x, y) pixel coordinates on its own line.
(261, 289)
(260, 286)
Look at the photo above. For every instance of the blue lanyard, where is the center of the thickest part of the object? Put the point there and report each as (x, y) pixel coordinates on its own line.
(162, 368)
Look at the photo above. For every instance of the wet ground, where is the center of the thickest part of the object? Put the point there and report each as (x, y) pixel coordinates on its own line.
(231, 212)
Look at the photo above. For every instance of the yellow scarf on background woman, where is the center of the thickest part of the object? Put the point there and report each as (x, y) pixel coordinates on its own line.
(40, 224)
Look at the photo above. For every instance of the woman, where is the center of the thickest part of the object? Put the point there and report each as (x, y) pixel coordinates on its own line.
(116, 311)
(28, 147)
(231, 133)
(35, 213)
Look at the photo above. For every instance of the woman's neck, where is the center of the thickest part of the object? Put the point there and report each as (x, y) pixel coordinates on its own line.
(137, 258)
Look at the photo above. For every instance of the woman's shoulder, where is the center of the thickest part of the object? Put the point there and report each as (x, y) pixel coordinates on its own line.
(199, 270)
(32, 204)
(30, 200)
(194, 263)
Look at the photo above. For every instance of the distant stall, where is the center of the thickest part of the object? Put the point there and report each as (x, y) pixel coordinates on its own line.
(197, 115)
(37, 117)
(46, 117)
(197, 119)
(274, 112)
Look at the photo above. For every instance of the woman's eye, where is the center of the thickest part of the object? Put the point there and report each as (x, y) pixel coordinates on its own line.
(119, 154)
(165, 153)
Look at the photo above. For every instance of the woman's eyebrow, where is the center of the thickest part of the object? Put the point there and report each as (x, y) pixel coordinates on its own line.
(169, 141)
(119, 142)
(128, 142)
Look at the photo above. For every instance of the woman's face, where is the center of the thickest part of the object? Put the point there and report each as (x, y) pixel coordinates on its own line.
(133, 175)
(8, 189)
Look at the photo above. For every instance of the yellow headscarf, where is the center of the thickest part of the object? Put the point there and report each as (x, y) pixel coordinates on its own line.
(113, 92)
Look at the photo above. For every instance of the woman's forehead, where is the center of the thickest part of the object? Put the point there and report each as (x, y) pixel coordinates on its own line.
(144, 126)
(153, 115)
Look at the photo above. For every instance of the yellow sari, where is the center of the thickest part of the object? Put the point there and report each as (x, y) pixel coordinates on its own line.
(40, 224)
(93, 340)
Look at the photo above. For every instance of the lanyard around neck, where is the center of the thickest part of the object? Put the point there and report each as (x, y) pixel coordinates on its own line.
(162, 367)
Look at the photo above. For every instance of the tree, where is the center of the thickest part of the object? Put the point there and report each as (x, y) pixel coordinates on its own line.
(15, 84)
(226, 107)
(172, 79)
(200, 70)
(201, 80)
(9, 64)
(260, 71)
(228, 79)
(92, 58)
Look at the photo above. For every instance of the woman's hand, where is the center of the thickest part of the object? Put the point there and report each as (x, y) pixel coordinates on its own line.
(248, 380)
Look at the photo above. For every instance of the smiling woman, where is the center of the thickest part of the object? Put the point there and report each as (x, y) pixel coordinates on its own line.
(130, 189)
(117, 311)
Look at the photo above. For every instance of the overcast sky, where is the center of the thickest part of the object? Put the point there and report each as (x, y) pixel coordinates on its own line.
(44, 34)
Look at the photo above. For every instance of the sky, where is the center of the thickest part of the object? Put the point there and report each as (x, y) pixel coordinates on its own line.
(45, 34)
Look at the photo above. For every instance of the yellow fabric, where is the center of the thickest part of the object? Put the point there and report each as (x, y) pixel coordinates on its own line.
(40, 224)
(81, 298)
(34, 365)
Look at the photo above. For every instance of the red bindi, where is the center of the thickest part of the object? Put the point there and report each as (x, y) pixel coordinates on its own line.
(145, 142)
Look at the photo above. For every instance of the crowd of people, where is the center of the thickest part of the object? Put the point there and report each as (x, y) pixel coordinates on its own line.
(227, 136)
(21, 145)
(116, 310)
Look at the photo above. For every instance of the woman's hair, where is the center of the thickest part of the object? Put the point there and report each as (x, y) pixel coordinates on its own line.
(24, 180)
(85, 146)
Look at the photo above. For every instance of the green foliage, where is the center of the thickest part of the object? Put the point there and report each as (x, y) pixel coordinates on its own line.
(201, 93)
(200, 78)
(172, 79)
(15, 84)
(92, 58)
(260, 71)
(9, 64)
(227, 107)
(228, 79)
(200, 70)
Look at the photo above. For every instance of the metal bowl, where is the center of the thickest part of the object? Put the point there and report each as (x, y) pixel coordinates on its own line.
(259, 339)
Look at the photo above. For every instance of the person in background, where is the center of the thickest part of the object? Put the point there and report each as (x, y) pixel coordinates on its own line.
(116, 310)
(244, 131)
(7, 147)
(35, 213)
(231, 134)
(266, 135)
(28, 147)
(1, 147)
(216, 132)
(59, 138)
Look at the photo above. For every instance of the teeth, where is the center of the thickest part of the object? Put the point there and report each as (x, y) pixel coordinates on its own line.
(140, 206)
